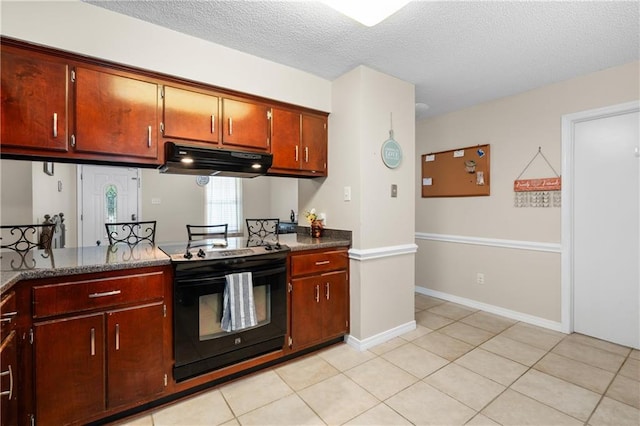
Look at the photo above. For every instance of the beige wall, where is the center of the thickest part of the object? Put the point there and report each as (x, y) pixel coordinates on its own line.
(49, 198)
(83, 28)
(381, 287)
(521, 280)
(16, 207)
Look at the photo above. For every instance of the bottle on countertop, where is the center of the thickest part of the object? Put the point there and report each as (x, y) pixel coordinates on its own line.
(292, 217)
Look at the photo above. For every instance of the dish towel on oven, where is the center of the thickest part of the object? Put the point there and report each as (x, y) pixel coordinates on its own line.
(239, 310)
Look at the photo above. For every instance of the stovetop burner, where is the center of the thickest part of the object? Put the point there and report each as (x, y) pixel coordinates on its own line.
(213, 249)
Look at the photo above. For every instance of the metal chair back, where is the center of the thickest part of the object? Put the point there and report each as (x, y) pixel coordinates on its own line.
(131, 232)
(202, 232)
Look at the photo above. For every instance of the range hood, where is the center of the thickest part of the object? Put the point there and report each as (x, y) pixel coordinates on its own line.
(198, 160)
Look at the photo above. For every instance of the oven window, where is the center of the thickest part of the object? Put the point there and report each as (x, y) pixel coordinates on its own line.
(210, 312)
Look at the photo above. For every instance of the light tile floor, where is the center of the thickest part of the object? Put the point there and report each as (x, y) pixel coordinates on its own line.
(460, 366)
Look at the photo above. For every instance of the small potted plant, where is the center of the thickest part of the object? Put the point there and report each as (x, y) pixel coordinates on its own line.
(314, 222)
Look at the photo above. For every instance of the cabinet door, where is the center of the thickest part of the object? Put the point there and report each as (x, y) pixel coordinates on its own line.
(115, 115)
(134, 354)
(245, 124)
(34, 102)
(306, 311)
(285, 139)
(314, 144)
(335, 314)
(190, 115)
(9, 381)
(69, 369)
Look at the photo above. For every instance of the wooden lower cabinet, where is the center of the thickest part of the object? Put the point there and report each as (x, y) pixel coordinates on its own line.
(319, 297)
(135, 365)
(69, 369)
(102, 357)
(9, 371)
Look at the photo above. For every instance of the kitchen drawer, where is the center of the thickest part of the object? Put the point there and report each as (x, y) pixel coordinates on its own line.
(318, 262)
(68, 297)
(8, 314)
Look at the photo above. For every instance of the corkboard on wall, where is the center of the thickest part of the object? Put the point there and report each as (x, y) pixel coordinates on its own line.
(461, 172)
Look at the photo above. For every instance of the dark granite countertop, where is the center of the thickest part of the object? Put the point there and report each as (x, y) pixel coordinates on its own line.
(71, 261)
(82, 260)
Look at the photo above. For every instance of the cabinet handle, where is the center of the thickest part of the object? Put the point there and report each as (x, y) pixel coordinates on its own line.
(117, 337)
(93, 341)
(8, 316)
(213, 123)
(149, 136)
(317, 293)
(326, 289)
(323, 262)
(55, 125)
(9, 373)
(306, 154)
(230, 126)
(106, 293)
(296, 152)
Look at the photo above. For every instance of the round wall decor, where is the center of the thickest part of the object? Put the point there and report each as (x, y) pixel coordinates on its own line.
(391, 152)
(202, 180)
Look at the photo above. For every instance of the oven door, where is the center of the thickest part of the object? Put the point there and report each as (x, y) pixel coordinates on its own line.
(200, 343)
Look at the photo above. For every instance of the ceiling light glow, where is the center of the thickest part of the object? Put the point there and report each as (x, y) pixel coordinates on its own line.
(367, 12)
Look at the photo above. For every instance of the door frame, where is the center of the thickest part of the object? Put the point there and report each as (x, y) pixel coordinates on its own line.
(567, 210)
(79, 199)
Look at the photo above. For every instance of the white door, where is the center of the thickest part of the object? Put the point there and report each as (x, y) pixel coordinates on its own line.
(108, 195)
(606, 232)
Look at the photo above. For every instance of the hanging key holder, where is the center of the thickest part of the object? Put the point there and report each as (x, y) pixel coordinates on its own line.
(541, 192)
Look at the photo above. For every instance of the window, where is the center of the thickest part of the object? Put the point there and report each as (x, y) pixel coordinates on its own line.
(223, 203)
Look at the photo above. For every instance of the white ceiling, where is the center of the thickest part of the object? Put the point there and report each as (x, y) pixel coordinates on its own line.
(456, 53)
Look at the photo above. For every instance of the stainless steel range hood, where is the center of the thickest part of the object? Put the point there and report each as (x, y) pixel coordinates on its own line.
(197, 160)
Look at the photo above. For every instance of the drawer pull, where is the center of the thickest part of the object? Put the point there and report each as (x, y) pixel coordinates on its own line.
(8, 316)
(93, 341)
(9, 373)
(326, 289)
(106, 293)
(323, 262)
(317, 293)
(117, 337)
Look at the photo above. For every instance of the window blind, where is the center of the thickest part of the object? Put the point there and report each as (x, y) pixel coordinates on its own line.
(223, 203)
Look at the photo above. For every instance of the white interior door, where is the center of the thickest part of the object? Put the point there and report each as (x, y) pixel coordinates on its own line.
(606, 233)
(108, 195)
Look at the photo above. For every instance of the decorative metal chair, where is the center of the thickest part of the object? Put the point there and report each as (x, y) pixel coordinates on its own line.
(131, 232)
(24, 239)
(202, 232)
(262, 230)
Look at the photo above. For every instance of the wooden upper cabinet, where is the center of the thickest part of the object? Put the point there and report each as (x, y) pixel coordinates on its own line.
(299, 142)
(285, 139)
(34, 101)
(314, 143)
(245, 124)
(190, 115)
(115, 114)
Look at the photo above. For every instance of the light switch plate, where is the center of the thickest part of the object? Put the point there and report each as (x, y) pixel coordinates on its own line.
(394, 190)
(347, 193)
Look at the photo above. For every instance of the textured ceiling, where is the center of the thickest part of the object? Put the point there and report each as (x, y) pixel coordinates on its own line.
(457, 54)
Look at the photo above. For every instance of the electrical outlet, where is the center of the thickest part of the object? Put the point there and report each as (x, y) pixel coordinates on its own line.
(479, 278)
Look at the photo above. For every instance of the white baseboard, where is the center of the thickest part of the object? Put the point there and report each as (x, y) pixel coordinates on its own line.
(518, 316)
(369, 342)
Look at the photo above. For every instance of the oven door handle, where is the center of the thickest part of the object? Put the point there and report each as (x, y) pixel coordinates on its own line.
(203, 278)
